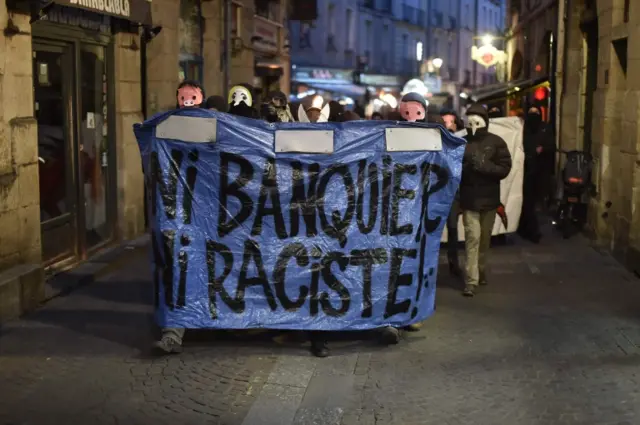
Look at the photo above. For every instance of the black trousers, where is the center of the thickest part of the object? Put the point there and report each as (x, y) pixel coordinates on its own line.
(529, 227)
(452, 232)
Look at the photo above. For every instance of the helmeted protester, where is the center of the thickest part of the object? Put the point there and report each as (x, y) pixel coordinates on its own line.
(336, 111)
(188, 95)
(216, 103)
(538, 151)
(350, 116)
(276, 108)
(495, 112)
(241, 101)
(453, 123)
(486, 162)
(314, 114)
(413, 107)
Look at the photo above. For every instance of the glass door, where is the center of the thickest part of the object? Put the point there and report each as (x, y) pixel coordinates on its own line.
(94, 152)
(53, 79)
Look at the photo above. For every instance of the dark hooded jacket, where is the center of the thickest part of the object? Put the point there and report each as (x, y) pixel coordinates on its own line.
(534, 136)
(485, 163)
(244, 110)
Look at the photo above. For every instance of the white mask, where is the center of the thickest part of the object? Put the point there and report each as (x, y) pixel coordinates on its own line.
(239, 94)
(475, 122)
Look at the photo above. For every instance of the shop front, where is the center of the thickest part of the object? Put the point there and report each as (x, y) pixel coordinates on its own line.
(331, 84)
(268, 66)
(74, 90)
(515, 97)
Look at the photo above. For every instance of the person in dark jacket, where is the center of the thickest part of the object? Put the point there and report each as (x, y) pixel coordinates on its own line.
(538, 148)
(216, 103)
(337, 111)
(451, 122)
(485, 163)
(242, 101)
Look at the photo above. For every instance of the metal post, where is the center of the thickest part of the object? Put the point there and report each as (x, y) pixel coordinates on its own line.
(227, 47)
(475, 37)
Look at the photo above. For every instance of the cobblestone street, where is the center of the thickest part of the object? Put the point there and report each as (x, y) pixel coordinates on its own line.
(554, 339)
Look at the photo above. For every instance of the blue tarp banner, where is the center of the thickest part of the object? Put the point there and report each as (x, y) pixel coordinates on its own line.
(295, 225)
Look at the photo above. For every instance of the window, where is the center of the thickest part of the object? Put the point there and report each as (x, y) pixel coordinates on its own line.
(405, 46)
(368, 34)
(483, 22)
(268, 9)
(467, 13)
(331, 19)
(190, 40)
(350, 29)
(435, 47)
(626, 10)
(385, 43)
(620, 46)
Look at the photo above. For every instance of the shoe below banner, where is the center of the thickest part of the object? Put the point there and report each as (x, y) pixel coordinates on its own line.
(295, 225)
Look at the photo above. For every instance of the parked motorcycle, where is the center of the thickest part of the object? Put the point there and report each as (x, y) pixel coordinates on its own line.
(574, 191)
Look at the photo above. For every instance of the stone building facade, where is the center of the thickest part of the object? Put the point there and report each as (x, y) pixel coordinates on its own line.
(600, 113)
(72, 84)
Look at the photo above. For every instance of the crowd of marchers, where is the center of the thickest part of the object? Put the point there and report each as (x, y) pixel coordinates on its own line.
(486, 162)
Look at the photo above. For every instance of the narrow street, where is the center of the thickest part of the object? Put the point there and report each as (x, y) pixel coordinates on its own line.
(554, 339)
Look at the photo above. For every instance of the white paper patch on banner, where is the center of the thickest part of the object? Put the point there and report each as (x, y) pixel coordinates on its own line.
(304, 141)
(413, 139)
(188, 129)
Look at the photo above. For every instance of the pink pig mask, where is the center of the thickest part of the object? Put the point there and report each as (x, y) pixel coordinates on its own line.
(189, 97)
(412, 111)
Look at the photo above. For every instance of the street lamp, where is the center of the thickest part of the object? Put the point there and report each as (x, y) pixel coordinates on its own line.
(437, 64)
(418, 55)
(487, 40)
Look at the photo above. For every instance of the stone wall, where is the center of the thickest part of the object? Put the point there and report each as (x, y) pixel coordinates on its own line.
(162, 57)
(19, 193)
(128, 106)
(21, 279)
(615, 211)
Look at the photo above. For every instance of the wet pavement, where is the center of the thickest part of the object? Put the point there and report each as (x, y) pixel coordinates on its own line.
(553, 339)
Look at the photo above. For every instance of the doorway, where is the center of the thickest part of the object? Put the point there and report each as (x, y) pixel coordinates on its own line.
(70, 106)
(53, 76)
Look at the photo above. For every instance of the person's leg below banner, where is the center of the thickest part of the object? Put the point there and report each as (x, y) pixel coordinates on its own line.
(389, 335)
(171, 341)
(472, 232)
(452, 240)
(487, 220)
(319, 345)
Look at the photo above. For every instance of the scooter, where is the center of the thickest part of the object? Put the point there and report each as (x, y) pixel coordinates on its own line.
(575, 190)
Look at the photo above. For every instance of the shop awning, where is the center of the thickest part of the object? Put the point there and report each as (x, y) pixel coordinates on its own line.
(504, 90)
(350, 90)
(138, 11)
(265, 68)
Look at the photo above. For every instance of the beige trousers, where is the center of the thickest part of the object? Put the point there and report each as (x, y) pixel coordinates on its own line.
(477, 239)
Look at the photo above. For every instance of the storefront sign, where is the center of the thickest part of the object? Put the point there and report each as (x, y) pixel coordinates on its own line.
(380, 80)
(132, 10)
(302, 74)
(488, 55)
(265, 35)
(79, 18)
